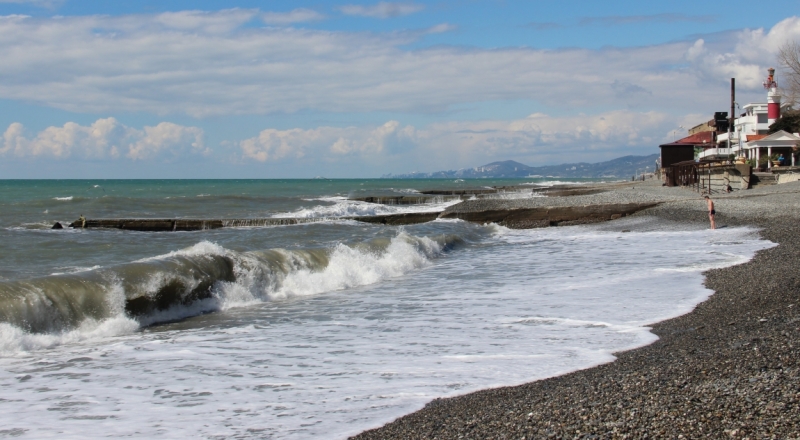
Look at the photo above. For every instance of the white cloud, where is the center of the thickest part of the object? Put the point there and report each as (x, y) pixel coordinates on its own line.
(214, 63)
(209, 22)
(272, 144)
(538, 138)
(755, 50)
(541, 138)
(441, 28)
(166, 137)
(382, 9)
(104, 139)
(300, 15)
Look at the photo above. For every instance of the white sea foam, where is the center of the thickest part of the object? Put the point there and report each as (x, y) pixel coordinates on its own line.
(200, 249)
(405, 190)
(255, 283)
(75, 269)
(549, 183)
(521, 305)
(350, 267)
(327, 199)
(353, 208)
(63, 199)
(15, 341)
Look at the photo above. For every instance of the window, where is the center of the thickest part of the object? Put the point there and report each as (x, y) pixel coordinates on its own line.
(762, 118)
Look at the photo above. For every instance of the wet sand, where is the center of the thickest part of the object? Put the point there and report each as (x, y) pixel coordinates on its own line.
(728, 369)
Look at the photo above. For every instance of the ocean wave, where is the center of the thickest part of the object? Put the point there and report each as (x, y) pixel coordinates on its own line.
(550, 183)
(63, 199)
(205, 277)
(333, 199)
(74, 269)
(405, 190)
(352, 208)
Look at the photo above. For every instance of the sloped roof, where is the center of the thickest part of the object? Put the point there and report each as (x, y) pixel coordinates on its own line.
(781, 135)
(780, 138)
(754, 137)
(697, 138)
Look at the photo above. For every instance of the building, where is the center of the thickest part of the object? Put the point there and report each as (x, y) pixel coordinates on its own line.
(778, 143)
(749, 136)
(705, 126)
(677, 158)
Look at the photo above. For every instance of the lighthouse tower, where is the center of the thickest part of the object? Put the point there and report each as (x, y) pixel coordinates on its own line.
(773, 97)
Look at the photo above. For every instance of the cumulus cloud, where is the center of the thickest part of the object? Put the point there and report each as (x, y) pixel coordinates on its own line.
(755, 50)
(543, 138)
(382, 9)
(208, 22)
(273, 145)
(103, 140)
(166, 137)
(538, 138)
(300, 15)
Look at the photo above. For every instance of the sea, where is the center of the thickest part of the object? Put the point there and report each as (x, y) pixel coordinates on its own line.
(315, 330)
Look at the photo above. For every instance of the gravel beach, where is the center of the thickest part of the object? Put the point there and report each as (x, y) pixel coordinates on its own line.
(728, 369)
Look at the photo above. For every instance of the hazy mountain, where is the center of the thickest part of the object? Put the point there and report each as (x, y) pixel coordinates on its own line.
(623, 167)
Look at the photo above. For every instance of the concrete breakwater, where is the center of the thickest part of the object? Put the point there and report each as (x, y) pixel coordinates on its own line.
(524, 218)
(444, 196)
(438, 196)
(533, 217)
(410, 200)
(567, 192)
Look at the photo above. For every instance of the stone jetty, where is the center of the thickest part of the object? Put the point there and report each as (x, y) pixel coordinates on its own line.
(554, 206)
(514, 218)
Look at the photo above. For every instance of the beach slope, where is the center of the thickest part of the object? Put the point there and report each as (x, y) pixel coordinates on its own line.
(728, 369)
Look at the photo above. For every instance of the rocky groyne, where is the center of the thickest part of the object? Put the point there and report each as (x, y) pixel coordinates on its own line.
(560, 206)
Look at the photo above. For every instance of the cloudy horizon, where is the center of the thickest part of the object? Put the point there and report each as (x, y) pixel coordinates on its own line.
(360, 89)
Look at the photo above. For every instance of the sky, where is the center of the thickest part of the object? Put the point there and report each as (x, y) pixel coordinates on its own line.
(358, 89)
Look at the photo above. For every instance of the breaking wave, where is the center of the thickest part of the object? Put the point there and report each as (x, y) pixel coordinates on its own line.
(342, 207)
(203, 278)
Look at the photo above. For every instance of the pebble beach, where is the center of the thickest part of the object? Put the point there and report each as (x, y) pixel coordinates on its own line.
(728, 369)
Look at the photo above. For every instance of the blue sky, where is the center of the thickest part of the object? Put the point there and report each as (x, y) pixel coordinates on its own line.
(267, 89)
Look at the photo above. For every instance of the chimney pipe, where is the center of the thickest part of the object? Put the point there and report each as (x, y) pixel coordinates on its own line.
(733, 115)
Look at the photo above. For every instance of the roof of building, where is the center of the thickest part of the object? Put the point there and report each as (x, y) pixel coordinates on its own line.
(701, 138)
(779, 135)
(754, 137)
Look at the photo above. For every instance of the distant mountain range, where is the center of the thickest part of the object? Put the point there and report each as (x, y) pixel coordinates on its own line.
(623, 167)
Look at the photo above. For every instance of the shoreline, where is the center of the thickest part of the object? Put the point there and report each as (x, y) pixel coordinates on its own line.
(727, 369)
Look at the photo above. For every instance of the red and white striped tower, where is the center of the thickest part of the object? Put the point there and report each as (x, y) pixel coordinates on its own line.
(773, 97)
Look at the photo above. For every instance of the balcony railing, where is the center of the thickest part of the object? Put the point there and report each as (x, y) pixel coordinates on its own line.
(715, 152)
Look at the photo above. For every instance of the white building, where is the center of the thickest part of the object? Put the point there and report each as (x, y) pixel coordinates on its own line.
(753, 121)
(779, 143)
(749, 135)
